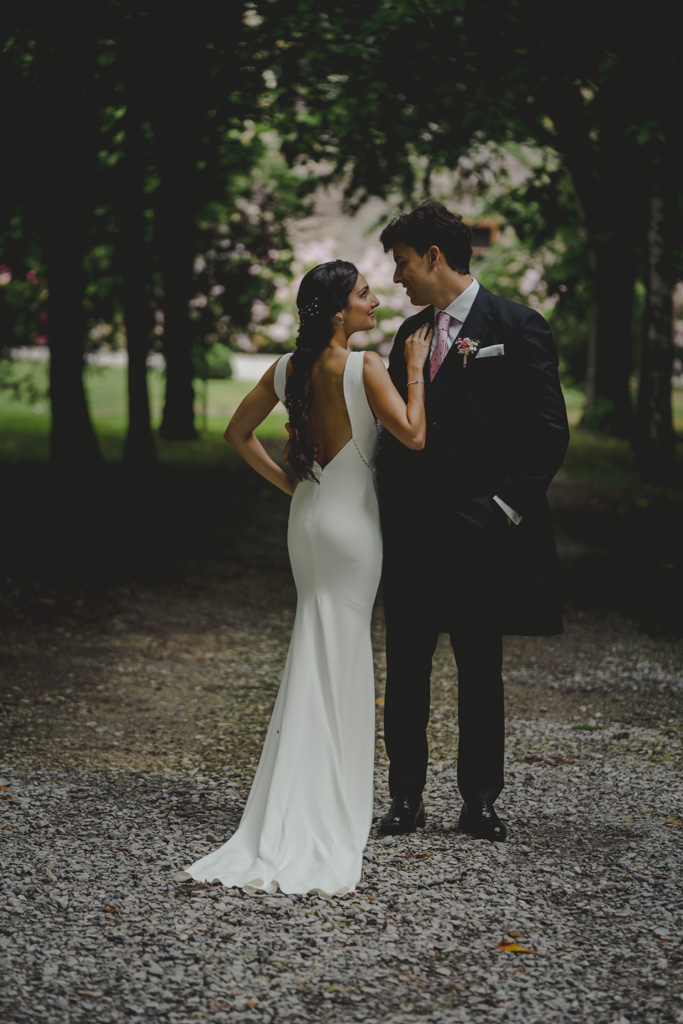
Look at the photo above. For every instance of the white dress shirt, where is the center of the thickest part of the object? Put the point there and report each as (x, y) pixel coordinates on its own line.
(459, 310)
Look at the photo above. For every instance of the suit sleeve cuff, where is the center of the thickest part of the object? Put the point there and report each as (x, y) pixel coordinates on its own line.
(514, 516)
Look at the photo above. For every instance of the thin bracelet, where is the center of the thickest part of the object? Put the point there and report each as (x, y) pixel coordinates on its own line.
(415, 382)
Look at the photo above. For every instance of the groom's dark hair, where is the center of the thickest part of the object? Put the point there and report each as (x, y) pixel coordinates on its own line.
(432, 224)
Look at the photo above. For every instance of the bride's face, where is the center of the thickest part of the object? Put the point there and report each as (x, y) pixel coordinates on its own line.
(359, 312)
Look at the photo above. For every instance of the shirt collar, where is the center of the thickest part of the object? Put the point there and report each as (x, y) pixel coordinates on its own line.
(460, 307)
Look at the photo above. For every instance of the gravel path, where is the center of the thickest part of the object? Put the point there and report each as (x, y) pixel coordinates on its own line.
(130, 731)
(95, 932)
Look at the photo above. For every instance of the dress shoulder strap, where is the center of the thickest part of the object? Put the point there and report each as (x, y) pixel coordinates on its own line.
(281, 376)
(357, 404)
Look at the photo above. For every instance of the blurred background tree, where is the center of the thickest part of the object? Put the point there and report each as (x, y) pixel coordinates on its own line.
(163, 158)
(147, 189)
(390, 93)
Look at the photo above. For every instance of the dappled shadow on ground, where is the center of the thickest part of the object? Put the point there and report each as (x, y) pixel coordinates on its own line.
(166, 603)
(115, 528)
(70, 543)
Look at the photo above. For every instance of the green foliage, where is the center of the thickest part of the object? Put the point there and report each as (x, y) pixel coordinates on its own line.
(247, 106)
(245, 253)
(542, 259)
(599, 417)
(24, 383)
(391, 93)
(212, 362)
(242, 190)
(23, 314)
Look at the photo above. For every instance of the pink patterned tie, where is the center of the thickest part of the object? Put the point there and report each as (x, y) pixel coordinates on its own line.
(443, 322)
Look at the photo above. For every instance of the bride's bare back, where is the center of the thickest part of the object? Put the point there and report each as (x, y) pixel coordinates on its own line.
(329, 426)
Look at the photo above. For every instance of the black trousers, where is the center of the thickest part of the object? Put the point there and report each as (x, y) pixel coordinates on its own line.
(454, 588)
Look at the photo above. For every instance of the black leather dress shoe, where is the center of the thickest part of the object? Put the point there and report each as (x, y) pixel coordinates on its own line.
(405, 815)
(481, 821)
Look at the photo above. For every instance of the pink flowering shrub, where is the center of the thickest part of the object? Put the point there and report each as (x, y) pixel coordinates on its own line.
(23, 317)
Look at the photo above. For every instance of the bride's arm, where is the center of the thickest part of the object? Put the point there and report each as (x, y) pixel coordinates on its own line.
(251, 412)
(405, 421)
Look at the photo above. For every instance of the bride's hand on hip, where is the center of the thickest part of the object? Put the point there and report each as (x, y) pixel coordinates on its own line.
(417, 347)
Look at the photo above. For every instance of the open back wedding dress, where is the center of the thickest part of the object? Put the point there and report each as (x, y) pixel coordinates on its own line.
(309, 811)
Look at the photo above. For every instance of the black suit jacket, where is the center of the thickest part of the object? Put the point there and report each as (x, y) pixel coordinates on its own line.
(495, 426)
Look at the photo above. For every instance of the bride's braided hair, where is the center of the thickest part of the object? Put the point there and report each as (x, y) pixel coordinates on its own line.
(323, 292)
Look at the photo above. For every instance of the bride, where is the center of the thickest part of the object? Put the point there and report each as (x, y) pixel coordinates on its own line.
(309, 812)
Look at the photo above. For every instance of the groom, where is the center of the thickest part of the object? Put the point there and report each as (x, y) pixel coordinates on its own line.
(468, 541)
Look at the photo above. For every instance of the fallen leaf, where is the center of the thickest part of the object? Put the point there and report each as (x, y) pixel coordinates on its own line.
(515, 935)
(3, 788)
(513, 947)
(673, 821)
(380, 702)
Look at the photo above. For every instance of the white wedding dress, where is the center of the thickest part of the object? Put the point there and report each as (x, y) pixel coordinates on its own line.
(309, 811)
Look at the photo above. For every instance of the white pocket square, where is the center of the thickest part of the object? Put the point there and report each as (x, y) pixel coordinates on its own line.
(490, 350)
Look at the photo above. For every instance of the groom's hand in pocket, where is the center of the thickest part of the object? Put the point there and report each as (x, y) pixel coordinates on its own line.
(485, 514)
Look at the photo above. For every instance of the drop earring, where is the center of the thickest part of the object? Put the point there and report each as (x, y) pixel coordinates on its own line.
(342, 319)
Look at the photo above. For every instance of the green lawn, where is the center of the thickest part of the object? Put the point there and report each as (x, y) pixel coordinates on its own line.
(25, 427)
(601, 462)
(606, 465)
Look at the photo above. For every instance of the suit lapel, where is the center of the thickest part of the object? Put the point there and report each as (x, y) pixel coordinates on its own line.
(476, 327)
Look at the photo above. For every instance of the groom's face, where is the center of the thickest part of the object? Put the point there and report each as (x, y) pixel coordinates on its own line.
(414, 273)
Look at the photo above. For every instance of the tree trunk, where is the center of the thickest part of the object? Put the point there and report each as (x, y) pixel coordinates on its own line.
(67, 210)
(73, 445)
(655, 441)
(139, 451)
(610, 357)
(602, 177)
(176, 263)
(177, 122)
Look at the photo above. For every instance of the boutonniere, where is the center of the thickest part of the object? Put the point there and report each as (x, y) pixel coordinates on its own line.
(466, 347)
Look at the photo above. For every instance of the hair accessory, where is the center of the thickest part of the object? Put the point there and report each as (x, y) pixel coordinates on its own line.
(309, 311)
